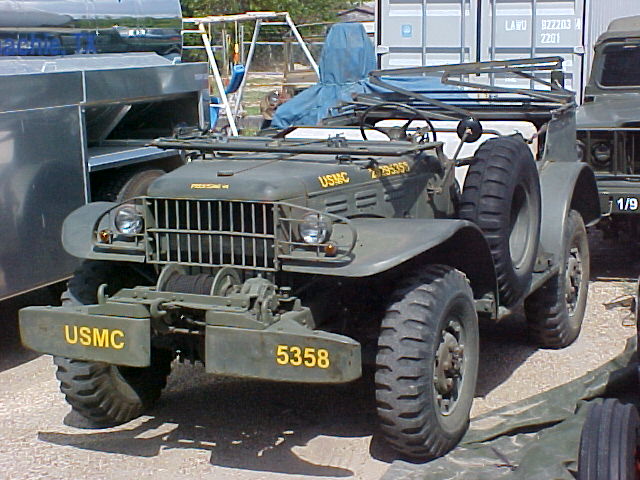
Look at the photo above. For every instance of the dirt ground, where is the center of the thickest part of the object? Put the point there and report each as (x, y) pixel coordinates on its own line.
(207, 428)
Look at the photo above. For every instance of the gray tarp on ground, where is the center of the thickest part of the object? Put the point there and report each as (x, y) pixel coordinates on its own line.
(534, 439)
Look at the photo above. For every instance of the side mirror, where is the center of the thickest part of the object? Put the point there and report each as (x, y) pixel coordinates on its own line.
(469, 130)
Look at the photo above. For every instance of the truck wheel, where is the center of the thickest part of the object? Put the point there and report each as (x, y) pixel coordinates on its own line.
(427, 363)
(502, 196)
(609, 443)
(125, 186)
(102, 393)
(555, 311)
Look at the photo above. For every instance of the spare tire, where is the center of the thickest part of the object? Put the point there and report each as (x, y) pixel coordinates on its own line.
(501, 195)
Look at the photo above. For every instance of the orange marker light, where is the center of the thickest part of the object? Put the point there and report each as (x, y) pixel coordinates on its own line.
(330, 249)
(104, 236)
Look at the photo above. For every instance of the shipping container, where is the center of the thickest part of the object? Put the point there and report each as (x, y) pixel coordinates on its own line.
(432, 32)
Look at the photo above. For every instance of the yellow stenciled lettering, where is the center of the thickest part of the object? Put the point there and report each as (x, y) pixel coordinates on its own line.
(118, 345)
(333, 179)
(85, 336)
(67, 335)
(101, 337)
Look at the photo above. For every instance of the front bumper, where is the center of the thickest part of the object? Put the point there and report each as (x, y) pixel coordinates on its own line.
(120, 331)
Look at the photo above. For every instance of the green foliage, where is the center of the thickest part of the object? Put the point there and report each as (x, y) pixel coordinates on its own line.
(302, 11)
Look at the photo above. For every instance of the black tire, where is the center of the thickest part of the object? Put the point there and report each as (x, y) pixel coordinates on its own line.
(425, 382)
(555, 311)
(502, 196)
(609, 442)
(127, 185)
(102, 393)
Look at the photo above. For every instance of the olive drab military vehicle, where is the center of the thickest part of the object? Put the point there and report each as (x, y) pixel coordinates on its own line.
(608, 125)
(292, 257)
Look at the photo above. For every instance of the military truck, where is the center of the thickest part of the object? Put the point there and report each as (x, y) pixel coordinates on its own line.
(303, 259)
(609, 125)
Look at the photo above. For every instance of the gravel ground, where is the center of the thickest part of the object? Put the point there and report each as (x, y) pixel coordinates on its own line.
(253, 430)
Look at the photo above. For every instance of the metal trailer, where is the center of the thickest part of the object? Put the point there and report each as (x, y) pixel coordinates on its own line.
(433, 32)
(80, 100)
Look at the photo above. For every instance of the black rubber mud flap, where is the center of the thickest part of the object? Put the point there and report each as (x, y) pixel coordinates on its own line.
(502, 196)
(609, 442)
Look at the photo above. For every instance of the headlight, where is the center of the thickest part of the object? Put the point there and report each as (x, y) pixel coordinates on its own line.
(315, 228)
(128, 220)
(601, 153)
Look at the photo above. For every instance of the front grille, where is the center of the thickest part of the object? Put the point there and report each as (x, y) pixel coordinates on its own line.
(624, 144)
(211, 233)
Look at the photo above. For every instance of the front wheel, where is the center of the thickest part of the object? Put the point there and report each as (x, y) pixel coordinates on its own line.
(427, 363)
(102, 393)
(107, 394)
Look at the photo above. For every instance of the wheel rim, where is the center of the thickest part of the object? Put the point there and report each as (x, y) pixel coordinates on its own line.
(449, 365)
(520, 227)
(573, 279)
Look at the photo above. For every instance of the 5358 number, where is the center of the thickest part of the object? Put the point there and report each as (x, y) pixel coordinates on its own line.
(307, 356)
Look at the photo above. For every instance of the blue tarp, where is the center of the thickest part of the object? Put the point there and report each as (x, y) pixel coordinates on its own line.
(347, 58)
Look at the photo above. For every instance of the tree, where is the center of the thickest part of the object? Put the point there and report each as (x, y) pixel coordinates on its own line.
(302, 11)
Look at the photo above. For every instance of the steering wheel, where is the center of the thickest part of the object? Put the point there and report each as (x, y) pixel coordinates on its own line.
(398, 133)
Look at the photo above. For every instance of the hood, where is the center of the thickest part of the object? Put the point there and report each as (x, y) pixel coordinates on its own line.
(611, 110)
(256, 180)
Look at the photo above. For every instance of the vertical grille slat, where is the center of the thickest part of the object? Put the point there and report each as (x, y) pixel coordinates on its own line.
(212, 233)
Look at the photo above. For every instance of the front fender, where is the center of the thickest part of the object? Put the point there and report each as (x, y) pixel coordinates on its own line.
(385, 243)
(565, 186)
(78, 234)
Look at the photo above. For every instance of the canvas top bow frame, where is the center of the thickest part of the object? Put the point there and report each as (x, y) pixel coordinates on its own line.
(467, 90)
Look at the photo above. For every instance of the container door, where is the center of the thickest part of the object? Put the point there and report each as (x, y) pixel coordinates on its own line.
(425, 32)
(534, 28)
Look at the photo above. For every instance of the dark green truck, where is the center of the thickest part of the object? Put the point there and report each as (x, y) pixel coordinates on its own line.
(302, 259)
(608, 125)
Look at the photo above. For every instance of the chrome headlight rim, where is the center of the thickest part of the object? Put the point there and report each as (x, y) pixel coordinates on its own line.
(127, 220)
(315, 228)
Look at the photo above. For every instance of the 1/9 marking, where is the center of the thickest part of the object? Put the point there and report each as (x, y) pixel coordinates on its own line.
(627, 204)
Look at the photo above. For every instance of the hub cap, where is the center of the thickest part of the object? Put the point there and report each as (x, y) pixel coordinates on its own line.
(449, 366)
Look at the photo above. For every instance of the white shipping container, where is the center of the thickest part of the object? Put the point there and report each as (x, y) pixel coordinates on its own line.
(411, 33)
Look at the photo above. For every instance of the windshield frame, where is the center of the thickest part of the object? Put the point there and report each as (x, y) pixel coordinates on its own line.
(601, 59)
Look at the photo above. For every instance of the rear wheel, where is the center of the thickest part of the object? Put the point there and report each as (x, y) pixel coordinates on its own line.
(502, 196)
(427, 363)
(102, 393)
(555, 311)
(609, 443)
